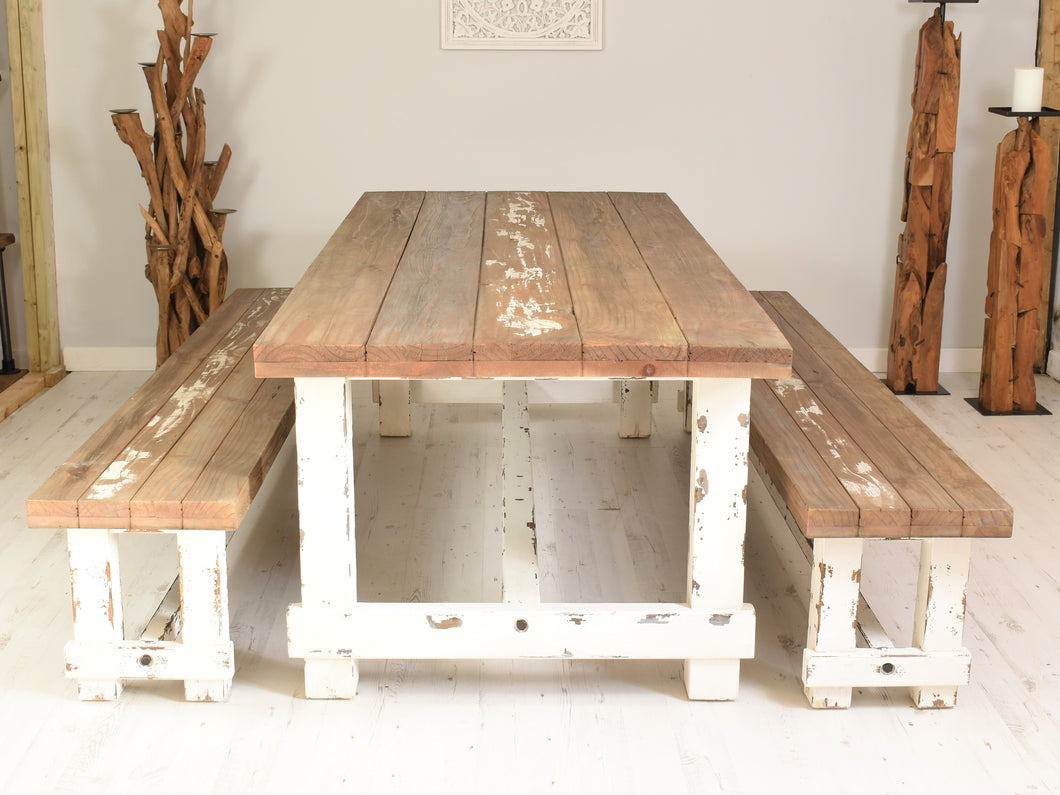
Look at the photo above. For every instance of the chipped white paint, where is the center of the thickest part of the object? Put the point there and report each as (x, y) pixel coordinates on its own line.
(323, 433)
(526, 319)
(782, 386)
(455, 631)
(395, 408)
(95, 590)
(717, 520)
(634, 408)
(835, 585)
(519, 571)
(204, 606)
(110, 483)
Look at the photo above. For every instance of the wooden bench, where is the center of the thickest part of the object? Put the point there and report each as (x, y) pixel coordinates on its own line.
(185, 455)
(847, 461)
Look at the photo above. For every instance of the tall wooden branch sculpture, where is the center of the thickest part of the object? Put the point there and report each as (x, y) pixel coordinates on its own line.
(1016, 271)
(186, 261)
(920, 280)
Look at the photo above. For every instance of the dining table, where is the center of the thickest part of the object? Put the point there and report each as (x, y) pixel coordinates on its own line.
(516, 287)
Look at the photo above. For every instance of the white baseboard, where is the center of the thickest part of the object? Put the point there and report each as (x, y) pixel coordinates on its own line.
(951, 360)
(105, 359)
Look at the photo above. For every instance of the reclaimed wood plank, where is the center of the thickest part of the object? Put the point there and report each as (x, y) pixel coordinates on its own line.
(524, 304)
(718, 317)
(934, 512)
(330, 314)
(623, 317)
(882, 513)
(54, 504)
(984, 512)
(815, 499)
(428, 314)
(106, 501)
(223, 492)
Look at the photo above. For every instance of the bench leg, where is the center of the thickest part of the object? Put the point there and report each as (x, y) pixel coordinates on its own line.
(95, 589)
(204, 603)
(324, 439)
(835, 585)
(634, 409)
(938, 623)
(717, 521)
(395, 408)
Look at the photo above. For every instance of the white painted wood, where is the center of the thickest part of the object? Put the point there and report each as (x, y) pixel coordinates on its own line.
(204, 605)
(938, 623)
(634, 409)
(328, 551)
(519, 574)
(152, 660)
(835, 586)
(482, 390)
(95, 590)
(395, 408)
(886, 668)
(717, 520)
(165, 622)
(447, 630)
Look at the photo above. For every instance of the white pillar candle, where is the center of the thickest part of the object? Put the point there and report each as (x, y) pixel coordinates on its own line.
(1027, 89)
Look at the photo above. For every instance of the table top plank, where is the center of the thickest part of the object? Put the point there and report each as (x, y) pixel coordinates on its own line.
(331, 312)
(428, 314)
(719, 318)
(622, 315)
(524, 306)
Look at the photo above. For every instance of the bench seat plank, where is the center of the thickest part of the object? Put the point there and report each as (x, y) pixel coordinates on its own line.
(946, 497)
(96, 487)
(816, 500)
(524, 305)
(881, 510)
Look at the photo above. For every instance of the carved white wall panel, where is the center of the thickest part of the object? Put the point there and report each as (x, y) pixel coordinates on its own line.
(522, 24)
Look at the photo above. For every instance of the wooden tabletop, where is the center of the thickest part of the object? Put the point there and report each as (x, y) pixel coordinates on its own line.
(519, 285)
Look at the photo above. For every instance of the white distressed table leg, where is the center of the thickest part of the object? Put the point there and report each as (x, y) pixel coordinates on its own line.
(835, 588)
(204, 602)
(938, 623)
(395, 408)
(684, 404)
(324, 437)
(519, 569)
(717, 520)
(95, 588)
(634, 409)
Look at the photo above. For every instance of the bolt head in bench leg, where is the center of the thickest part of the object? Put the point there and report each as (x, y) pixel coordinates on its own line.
(98, 689)
(829, 697)
(712, 680)
(330, 677)
(934, 697)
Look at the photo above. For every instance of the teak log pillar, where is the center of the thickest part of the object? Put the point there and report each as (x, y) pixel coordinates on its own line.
(920, 279)
(1016, 270)
(186, 261)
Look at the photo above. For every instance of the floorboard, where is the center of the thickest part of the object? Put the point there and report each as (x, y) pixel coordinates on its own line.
(611, 525)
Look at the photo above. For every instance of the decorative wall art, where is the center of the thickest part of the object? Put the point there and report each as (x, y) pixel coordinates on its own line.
(521, 24)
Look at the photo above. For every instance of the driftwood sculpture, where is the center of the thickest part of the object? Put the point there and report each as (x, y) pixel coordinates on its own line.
(920, 281)
(1016, 270)
(186, 262)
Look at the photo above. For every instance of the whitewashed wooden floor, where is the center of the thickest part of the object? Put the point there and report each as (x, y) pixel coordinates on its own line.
(611, 520)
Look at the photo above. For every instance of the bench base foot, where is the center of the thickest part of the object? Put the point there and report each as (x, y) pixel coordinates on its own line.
(207, 690)
(331, 678)
(829, 697)
(98, 689)
(934, 697)
(712, 680)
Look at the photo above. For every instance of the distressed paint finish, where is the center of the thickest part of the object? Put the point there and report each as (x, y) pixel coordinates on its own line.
(519, 571)
(323, 432)
(634, 408)
(475, 631)
(204, 604)
(941, 602)
(835, 585)
(95, 589)
(395, 408)
(717, 520)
